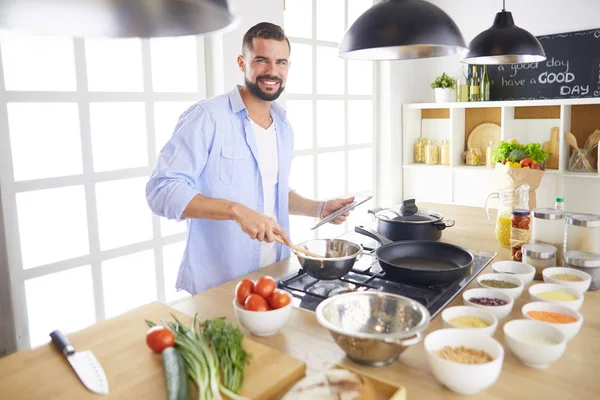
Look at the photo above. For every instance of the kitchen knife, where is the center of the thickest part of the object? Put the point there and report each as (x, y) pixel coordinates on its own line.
(85, 364)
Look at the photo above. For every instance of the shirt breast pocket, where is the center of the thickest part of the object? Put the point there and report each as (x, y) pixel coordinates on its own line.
(235, 164)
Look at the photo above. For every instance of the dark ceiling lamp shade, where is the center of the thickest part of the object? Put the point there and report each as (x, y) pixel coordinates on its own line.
(504, 43)
(402, 30)
(116, 18)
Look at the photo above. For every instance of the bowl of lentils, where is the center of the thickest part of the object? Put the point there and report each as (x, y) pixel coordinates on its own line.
(497, 303)
(504, 283)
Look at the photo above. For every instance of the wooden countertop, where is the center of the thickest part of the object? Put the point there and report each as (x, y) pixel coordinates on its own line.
(573, 376)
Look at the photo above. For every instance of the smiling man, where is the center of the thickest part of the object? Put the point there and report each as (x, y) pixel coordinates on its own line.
(226, 172)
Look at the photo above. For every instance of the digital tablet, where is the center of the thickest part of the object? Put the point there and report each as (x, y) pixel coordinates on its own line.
(357, 201)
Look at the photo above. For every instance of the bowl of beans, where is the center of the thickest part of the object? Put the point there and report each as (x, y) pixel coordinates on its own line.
(504, 283)
(570, 277)
(464, 360)
(467, 317)
(563, 318)
(556, 293)
(497, 303)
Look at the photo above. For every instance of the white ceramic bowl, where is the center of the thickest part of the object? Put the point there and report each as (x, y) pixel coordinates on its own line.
(466, 311)
(263, 323)
(535, 355)
(524, 272)
(500, 312)
(581, 287)
(461, 378)
(534, 290)
(570, 329)
(512, 292)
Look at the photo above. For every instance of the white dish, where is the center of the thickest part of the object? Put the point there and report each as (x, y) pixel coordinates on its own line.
(524, 272)
(466, 311)
(518, 334)
(500, 312)
(461, 378)
(570, 329)
(512, 292)
(534, 290)
(581, 287)
(263, 323)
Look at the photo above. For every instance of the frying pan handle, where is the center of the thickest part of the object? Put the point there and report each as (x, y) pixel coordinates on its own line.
(405, 342)
(441, 225)
(372, 234)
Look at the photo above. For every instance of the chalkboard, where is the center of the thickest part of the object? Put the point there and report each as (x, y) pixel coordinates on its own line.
(571, 70)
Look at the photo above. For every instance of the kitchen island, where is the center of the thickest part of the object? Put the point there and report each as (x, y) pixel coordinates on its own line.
(120, 347)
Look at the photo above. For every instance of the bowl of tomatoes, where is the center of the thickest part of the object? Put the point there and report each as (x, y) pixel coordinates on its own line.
(261, 308)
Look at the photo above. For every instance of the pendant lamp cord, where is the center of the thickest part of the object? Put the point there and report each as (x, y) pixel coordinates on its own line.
(503, 5)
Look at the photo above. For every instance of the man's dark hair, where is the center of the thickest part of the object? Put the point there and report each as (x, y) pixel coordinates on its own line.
(264, 30)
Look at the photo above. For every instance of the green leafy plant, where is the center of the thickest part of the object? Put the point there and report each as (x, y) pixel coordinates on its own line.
(513, 151)
(444, 82)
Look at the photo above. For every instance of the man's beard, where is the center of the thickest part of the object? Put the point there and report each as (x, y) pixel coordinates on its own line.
(257, 91)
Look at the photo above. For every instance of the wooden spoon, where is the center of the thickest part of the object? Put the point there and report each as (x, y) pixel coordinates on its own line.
(298, 248)
(572, 140)
(592, 140)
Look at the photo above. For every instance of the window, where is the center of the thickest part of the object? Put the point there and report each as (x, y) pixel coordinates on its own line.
(330, 106)
(85, 120)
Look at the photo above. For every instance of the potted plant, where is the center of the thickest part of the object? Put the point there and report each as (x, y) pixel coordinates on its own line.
(443, 87)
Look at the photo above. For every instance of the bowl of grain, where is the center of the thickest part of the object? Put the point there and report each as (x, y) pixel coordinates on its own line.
(556, 293)
(563, 318)
(467, 317)
(535, 343)
(505, 283)
(465, 361)
(498, 303)
(570, 277)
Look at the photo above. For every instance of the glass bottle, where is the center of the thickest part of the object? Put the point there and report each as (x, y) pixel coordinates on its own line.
(485, 85)
(431, 153)
(474, 156)
(519, 233)
(420, 150)
(445, 152)
(462, 87)
(559, 203)
(474, 85)
(489, 162)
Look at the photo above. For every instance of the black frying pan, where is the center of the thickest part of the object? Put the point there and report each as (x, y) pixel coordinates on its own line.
(420, 261)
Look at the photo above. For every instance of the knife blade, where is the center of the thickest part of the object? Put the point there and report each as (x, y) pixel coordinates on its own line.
(84, 363)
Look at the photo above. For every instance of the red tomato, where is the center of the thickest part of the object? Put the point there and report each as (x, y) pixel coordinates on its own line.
(264, 286)
(243, 289)
(279, 299)
(254, 302)
(159, 338)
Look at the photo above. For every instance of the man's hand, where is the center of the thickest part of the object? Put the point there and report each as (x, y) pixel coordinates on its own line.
(258, 226)
(334, 205)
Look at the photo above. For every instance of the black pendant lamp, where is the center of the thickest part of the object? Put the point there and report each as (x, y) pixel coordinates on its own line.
(402, 30)
(116, 18)
(504, 43)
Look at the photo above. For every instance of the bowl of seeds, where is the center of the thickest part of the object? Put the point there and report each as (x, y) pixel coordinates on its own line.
(504, 283)
(465, 361)
(570, 277)
(497, 303)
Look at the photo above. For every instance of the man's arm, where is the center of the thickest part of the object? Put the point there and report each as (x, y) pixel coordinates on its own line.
(299, 205)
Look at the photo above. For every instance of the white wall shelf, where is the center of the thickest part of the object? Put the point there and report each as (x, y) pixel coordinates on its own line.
(506, 103)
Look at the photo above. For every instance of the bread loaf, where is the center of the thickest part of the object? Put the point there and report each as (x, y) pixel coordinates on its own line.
(334, 384)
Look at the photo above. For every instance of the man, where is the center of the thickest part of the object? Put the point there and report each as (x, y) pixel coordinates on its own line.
(226, 171)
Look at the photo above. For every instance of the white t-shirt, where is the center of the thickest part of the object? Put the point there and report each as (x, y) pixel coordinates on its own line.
(268, 156)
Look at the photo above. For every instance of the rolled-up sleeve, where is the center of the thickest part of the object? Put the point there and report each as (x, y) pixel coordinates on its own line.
(174, 179)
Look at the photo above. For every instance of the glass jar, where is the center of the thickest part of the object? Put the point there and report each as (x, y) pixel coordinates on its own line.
(474, 156)
(519, 233)
(580, 162)
(445, 152)
(432, 155)
(586, 262)
(583, 233)
(420, 150)
(489, 162)
(540, 256)
(548, 227)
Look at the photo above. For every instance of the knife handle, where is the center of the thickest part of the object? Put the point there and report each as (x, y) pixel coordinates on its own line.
(62, 343)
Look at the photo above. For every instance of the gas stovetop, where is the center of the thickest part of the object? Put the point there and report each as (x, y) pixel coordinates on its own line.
(366, 275)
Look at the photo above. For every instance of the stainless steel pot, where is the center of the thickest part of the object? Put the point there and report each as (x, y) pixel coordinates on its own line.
(340, 256)
(373, 328)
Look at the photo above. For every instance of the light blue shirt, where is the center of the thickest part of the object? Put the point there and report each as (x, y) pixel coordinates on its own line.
(213, 152)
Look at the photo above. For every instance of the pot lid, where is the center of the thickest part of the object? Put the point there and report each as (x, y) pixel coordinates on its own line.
(407, 213)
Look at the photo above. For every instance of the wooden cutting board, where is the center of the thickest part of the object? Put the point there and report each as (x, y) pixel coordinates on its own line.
(133, 371)
(552, 147)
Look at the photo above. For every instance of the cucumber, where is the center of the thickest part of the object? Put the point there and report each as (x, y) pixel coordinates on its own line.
(177, 383)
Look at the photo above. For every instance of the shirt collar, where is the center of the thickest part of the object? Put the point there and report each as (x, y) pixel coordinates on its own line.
(237, 104)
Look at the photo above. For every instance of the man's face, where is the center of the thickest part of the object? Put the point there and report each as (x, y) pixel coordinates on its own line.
(265, 67)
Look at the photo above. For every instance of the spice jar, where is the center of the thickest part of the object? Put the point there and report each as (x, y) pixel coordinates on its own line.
(474, 156)
(431, 153)
(420, 150)
(519, 233)
(445, 152)
(540, 256)
(583, 233)
(586, 262)
(548, 227)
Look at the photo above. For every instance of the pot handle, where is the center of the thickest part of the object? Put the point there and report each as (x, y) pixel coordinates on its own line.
(360, 253)
(405, 342)
(372, 234)
(441, 225)
(375, 210)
